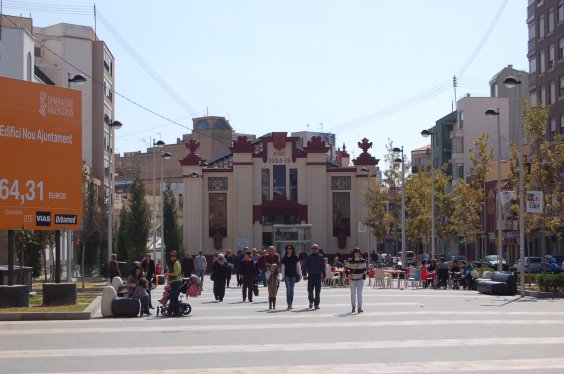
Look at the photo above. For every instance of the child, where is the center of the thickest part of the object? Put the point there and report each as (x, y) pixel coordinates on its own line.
(272, 283)
(141, 293)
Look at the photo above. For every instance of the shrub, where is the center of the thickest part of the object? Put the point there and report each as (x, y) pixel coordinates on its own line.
(550, 282)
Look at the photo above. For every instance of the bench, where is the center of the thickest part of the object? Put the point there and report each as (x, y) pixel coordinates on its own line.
(114, 306)
(501, 284)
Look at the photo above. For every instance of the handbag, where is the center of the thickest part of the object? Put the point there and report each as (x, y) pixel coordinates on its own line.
(298, 278)
(255, 289)
(212, 277)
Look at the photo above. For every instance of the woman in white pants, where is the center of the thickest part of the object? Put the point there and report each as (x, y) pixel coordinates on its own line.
(357, 270)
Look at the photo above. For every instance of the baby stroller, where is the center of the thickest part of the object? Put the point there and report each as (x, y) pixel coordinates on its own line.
(454, 281)
(190, 287)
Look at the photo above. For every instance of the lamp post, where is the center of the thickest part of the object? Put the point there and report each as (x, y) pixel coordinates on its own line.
(113, 125)
(159, 144)
(425, 134)
(166, 156)
(491, 112)
(403, 241)
(78, 79)
(510, 82)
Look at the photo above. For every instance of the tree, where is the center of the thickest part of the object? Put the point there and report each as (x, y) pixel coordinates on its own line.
(545, 159)
(172, 235)
(469, 196)
(138, 225)
(393, 180)
(123, 240)
(378, 218)
(418, 206)
(89, 235)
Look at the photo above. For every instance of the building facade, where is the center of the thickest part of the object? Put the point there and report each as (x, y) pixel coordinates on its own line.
(273, 191)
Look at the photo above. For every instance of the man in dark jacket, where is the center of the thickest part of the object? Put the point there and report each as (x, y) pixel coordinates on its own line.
(187, 266)
(148, 266)
(314, 272)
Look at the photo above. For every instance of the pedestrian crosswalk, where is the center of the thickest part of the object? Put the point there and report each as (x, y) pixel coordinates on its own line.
(418, 331)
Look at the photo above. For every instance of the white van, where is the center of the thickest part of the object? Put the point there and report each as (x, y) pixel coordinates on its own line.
(532, 265)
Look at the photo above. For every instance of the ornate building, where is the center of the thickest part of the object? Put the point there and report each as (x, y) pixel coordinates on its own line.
(275, 191)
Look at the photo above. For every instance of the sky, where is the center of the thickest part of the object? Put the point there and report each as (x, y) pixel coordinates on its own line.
(358, 68)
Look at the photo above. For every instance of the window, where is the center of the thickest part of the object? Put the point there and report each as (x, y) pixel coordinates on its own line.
(460, 120)
(495, 90)
(550, 20)
(294, 184)
(342, 183)
(561, 49)
(561, 87)
(533, 98)
(533, 65)
(459, 171)
(29, 66)
(551, 58)
(552, 128)
(542, 62)
(542, 90)
(217, 213)
(532, 30)
(552, 92)
(108, 92)
(107, 145)
(217, 184)
(560, 10)
(265, 184)
(341, 213)
(541, 26)
(278, 180)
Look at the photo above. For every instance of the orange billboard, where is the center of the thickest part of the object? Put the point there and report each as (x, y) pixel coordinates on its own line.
(40, 156)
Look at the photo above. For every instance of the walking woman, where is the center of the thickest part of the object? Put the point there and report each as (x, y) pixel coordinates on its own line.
(248, 276)
(220, 271)
(291, 271)
(357, 270)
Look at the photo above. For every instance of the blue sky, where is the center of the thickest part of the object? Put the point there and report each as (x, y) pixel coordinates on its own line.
(281, 65)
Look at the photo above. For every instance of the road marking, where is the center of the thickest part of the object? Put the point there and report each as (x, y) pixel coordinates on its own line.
(360, 322)
(528, 365)
(279, 347)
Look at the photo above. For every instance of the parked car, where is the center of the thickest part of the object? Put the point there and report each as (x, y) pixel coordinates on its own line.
(552, 264)
(532, 265)
(492, 261)
(457, 258)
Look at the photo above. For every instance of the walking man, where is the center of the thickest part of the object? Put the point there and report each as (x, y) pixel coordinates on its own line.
(201, 265)
(314, 272)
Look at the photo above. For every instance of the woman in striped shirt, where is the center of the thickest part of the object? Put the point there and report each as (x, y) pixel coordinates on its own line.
(357, 270)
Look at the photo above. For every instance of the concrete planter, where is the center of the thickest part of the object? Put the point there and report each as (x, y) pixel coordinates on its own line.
(544, 295)
(16, 296)
(59, 294)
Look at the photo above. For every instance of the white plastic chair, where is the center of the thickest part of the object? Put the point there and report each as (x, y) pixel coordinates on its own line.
(381, 278)
(414, 278)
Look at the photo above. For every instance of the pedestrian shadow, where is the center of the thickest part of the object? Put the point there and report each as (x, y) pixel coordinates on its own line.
(209, 302)
(303, 310)
(345, 315)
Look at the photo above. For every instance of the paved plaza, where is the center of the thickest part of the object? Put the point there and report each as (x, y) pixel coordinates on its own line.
(413, 330)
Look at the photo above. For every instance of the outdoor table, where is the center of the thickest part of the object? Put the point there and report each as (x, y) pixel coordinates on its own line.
(395, 272)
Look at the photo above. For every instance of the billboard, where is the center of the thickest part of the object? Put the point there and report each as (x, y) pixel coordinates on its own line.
(40, 156)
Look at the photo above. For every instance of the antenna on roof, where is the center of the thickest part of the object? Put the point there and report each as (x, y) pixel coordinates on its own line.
(94, 21)
(321, 126)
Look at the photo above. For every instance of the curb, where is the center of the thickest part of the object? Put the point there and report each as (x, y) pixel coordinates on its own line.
(544, 295)
(88, 313)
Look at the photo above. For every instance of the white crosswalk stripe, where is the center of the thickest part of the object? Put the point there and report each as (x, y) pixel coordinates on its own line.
(416, 331)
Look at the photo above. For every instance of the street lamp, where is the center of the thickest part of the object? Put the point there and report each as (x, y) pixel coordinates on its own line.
(490, 113)
(425, 134)
(78, 79)
(159, 144)
(403, 241)
(166, 156)
(113, 125)
(511, 82)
